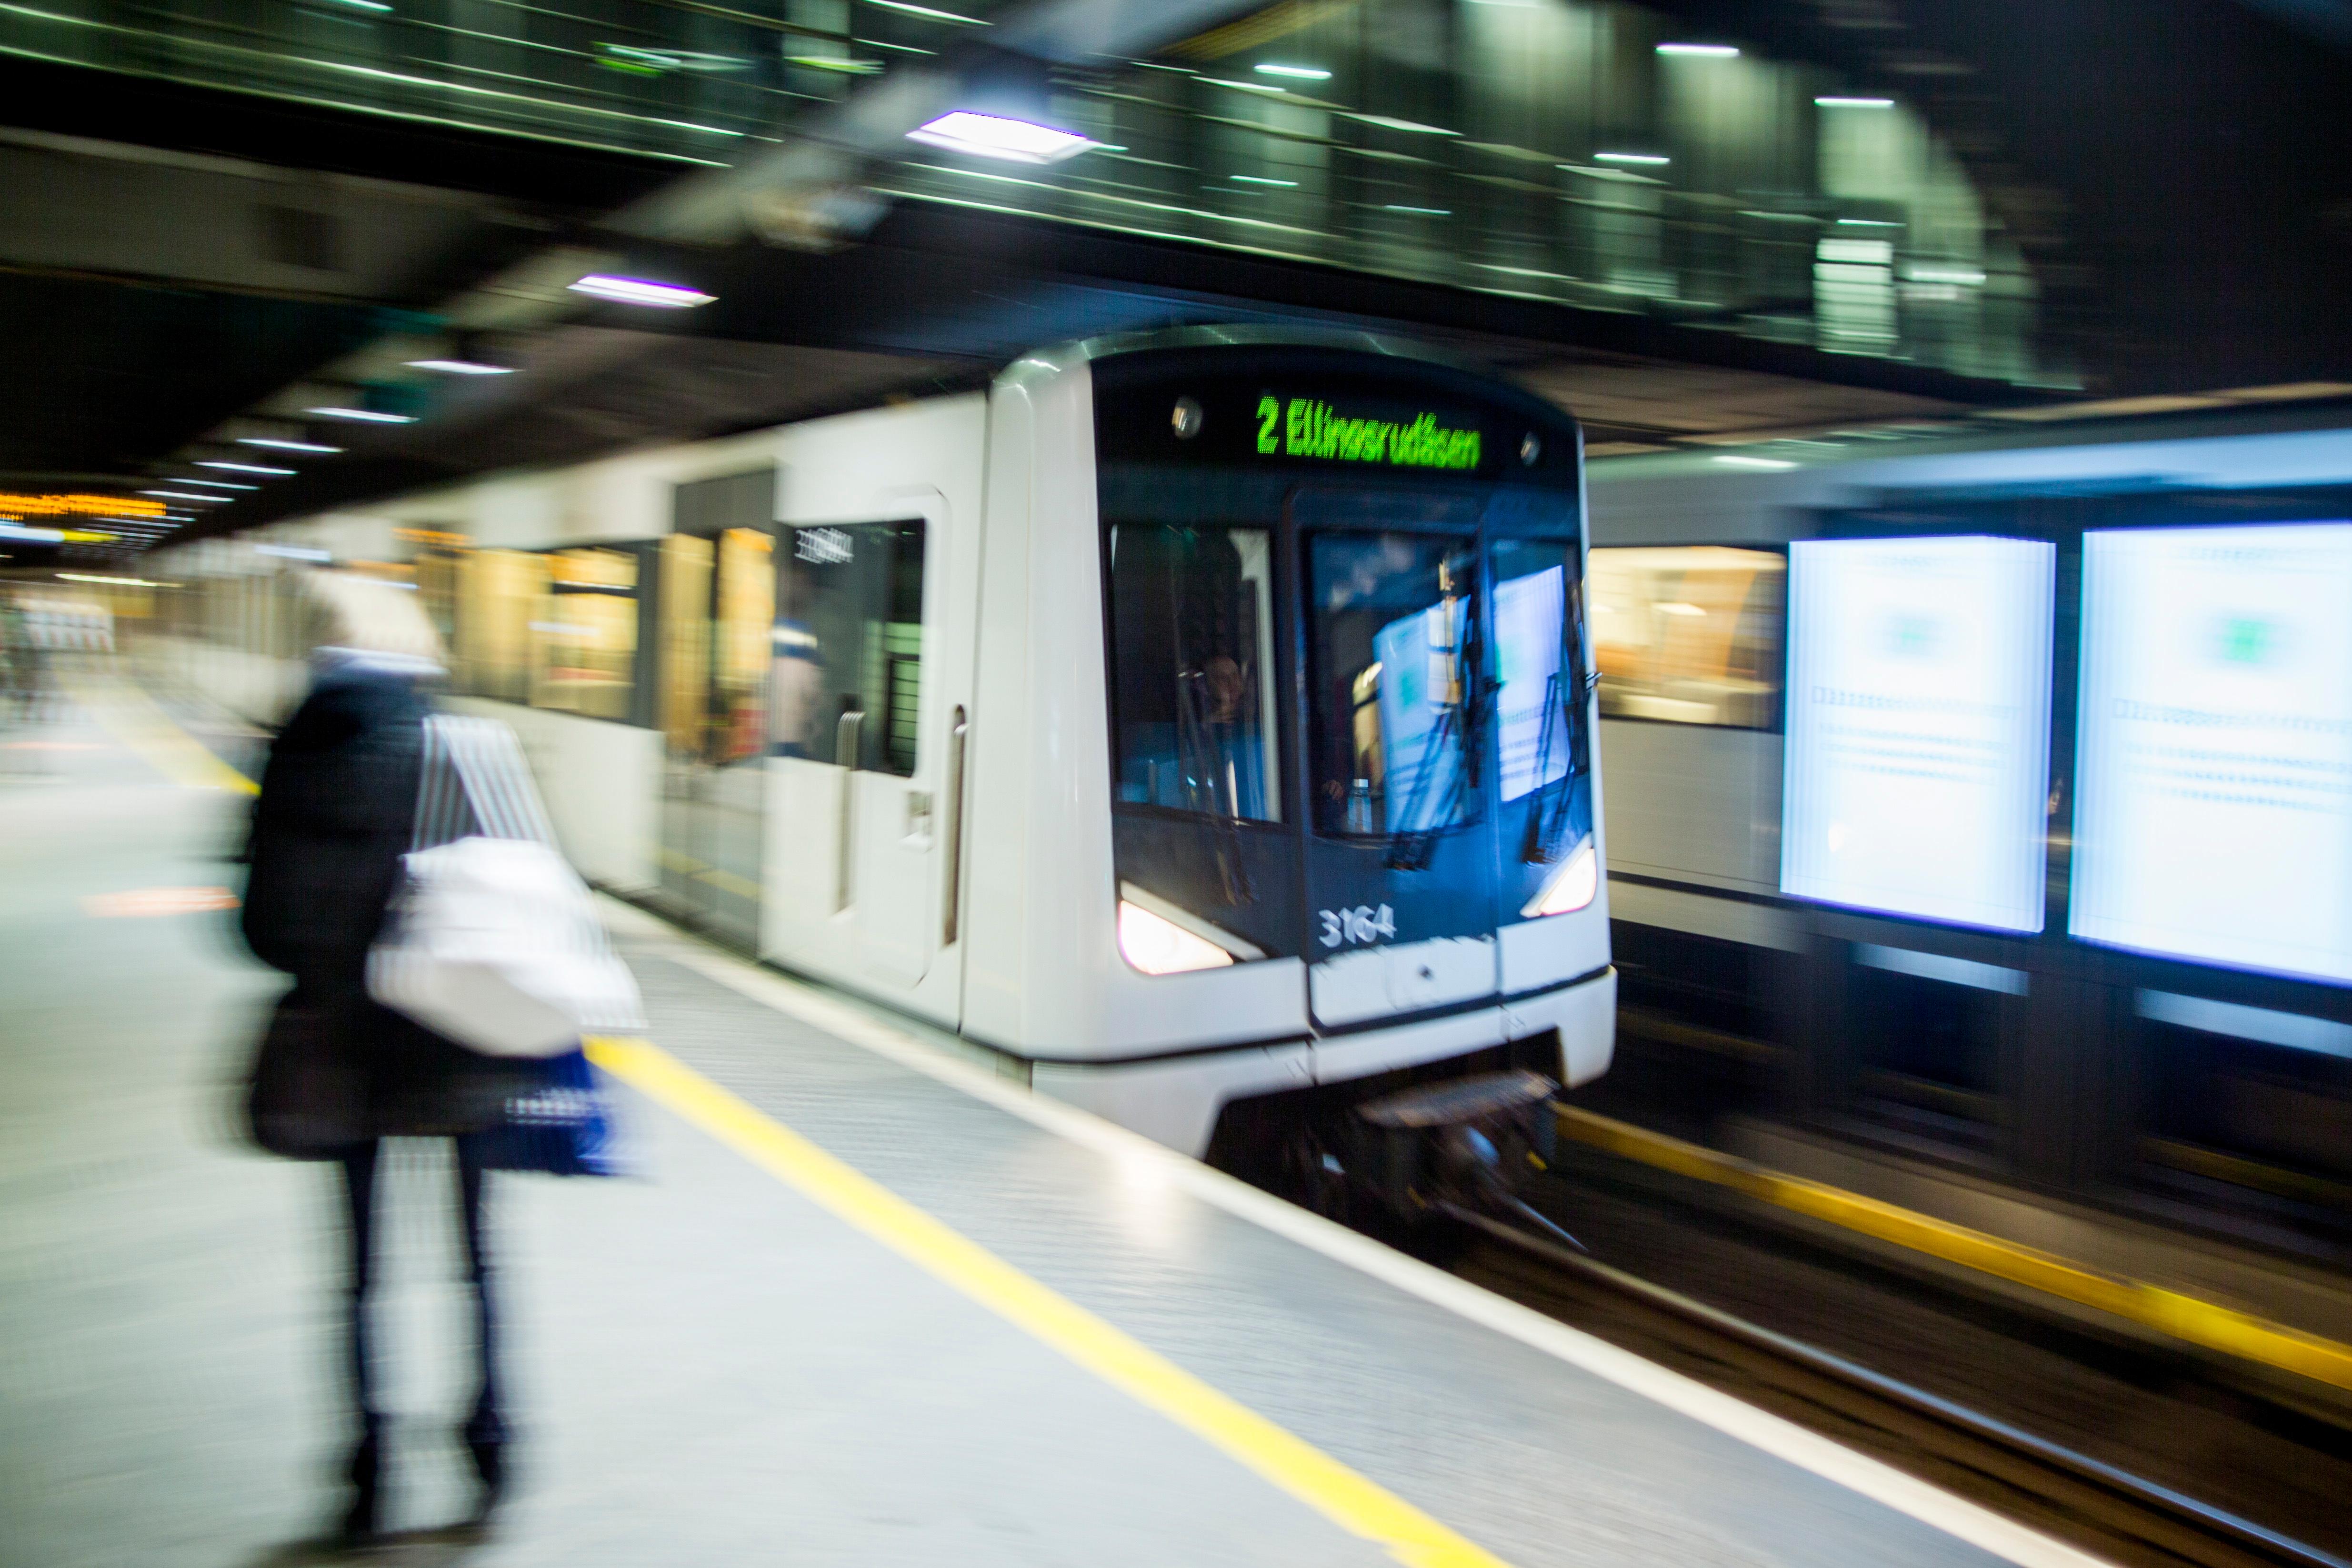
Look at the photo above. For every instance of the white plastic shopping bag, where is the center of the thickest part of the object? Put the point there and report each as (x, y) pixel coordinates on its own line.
(494, 942)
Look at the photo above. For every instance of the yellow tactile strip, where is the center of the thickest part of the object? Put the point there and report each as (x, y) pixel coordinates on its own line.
(2185, 1318)
(1355, 1503)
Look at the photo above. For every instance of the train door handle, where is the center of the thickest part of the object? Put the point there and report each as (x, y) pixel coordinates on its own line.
(844, 751)
(953, 835)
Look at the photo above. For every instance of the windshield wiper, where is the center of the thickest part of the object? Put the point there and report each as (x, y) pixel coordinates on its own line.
(1568, 694)
(1460, 719)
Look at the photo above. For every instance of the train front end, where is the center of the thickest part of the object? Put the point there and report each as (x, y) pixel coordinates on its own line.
(1361, 915)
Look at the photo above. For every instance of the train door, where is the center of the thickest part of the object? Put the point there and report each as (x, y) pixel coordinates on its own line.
(1400, 850)
(870, 716)
(716, 587)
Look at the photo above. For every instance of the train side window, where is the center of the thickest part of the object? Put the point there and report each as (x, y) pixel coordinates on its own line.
(848, 639)
(1689, 634)
(1191, 631)
(498, 592)
(583, 637)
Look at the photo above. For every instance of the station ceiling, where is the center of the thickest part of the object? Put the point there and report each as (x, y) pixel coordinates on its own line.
(185, 249)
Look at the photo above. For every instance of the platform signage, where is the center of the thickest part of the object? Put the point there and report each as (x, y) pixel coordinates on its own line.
(1916, 763)
(2213, 812)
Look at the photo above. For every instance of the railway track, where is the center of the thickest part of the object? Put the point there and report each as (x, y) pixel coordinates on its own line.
(2128, 1517)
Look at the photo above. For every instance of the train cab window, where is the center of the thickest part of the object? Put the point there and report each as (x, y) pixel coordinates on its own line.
(1535, 700)
(847, 656)
(1192, 682)
(584, 639)
(1391, 641)
(1689, 634)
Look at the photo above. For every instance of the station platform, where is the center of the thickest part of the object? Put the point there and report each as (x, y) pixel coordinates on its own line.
(861, 1303)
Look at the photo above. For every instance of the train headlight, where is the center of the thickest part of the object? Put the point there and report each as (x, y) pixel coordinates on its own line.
(1571, 887)
(1159, 947)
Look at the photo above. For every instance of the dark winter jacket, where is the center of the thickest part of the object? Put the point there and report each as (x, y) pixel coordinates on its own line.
(337, 806)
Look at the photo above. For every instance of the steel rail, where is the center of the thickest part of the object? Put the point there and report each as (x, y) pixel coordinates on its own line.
(2218, 1522)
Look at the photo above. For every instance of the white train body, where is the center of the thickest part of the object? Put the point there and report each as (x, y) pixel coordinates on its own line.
(968, 869)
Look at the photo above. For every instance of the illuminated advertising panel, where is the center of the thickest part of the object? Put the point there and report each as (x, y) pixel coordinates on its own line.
(1918, 721)
(2213, 813)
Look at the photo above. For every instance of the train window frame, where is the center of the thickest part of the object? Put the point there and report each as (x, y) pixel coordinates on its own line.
(1279, 786)
(878, 745)
(639, 709)
(1775, 659)
(640, 557)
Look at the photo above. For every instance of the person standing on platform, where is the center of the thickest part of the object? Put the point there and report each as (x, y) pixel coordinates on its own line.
(336, 811)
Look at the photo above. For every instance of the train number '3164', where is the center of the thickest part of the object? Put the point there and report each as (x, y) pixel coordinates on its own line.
(1359, 926)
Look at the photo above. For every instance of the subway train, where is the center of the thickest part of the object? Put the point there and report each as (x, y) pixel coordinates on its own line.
(1983, 800)
(1200, 723)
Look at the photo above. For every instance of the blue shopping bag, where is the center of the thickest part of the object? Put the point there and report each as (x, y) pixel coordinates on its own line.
(561, 1125)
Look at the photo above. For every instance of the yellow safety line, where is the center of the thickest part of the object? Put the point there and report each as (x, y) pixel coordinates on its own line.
(1349, 1500)
(157, 737)
(2185, 1318)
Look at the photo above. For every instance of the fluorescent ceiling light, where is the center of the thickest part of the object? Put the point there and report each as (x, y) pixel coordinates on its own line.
(120, 581)
(246, 469)
(1425, 212)
(1303, 73)
(183, 496)
(1868, 223)
(641, 291)
(1709, 51)
(294, 552)
(1755, 461)
(1245, 86)
(365, 5)
(1391, 123)
(1261, 180)
(272, 441)
(1002, 136)
(365, 415)
(461, 367)
(928, 14)
(217, 484)
(20, 532)
(1834, 101)
(1630, 157)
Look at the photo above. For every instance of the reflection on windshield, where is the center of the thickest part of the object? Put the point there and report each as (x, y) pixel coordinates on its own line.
(1530, 613)
(1391, 622)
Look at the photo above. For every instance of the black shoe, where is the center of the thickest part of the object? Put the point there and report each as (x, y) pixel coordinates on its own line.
(491, 1470)
(362, 1522)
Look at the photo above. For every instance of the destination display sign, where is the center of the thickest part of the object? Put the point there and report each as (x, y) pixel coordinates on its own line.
(1408, 423)
(1311, 427)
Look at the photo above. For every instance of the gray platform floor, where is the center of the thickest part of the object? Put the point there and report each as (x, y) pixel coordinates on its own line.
(709, 1368)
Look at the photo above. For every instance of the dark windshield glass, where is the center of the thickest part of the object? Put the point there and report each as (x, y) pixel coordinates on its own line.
(1534, 669)
(1393, 620)
(1192, 689)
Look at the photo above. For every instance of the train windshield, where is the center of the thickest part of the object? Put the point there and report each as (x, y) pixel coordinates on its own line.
(1192, 630)
(1344, 665)
(1394, 630)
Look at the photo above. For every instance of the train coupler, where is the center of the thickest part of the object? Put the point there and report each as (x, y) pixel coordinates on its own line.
(1465, 1146)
